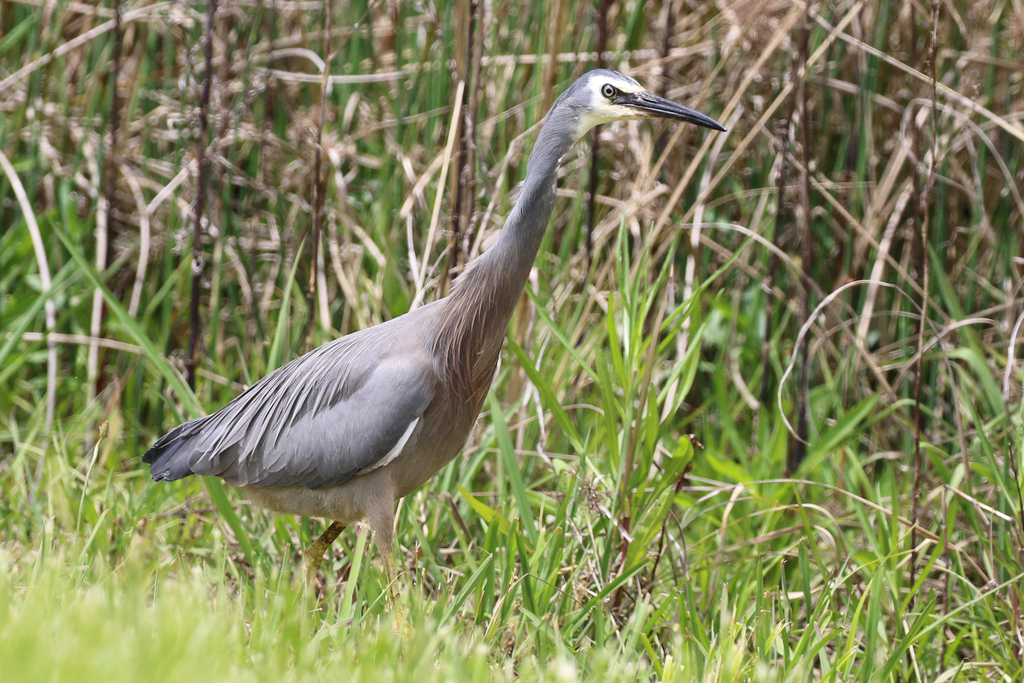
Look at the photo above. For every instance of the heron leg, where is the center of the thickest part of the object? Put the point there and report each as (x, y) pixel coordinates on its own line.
(387, 554)
(385, 546)
(382, 522)
(314, 555)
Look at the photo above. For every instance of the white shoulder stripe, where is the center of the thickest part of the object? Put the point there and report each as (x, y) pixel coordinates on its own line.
(393, 453)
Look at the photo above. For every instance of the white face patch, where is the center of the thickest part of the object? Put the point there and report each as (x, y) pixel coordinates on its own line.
(601, 108)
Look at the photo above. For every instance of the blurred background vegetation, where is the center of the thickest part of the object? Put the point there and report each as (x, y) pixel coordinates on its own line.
(721, 444)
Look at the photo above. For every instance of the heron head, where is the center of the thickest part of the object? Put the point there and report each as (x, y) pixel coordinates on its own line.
(603, 96)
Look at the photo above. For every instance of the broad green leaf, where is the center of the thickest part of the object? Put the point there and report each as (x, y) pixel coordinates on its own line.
(489, 514)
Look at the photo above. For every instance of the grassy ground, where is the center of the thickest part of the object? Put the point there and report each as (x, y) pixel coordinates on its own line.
(721, 444)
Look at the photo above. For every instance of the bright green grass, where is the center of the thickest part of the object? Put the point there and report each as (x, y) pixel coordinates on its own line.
(734, 575)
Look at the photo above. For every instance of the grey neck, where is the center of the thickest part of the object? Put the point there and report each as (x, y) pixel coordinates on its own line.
(492, 283)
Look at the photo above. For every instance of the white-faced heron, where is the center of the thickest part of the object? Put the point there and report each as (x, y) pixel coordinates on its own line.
(347, 429)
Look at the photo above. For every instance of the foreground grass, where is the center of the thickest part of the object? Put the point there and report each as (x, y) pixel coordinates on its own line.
(131, 625)
(771, 579)
(67, 614)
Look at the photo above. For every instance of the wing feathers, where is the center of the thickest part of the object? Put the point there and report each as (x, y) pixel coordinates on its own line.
(340, 410)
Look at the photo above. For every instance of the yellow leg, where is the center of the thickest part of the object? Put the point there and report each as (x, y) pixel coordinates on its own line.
(387, 556)
(314, 555)
(382, 521)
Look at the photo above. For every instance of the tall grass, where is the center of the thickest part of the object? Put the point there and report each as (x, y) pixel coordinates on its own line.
(644, 497)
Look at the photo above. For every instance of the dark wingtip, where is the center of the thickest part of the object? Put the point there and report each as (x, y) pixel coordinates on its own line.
(165, 458)
(150, 456)
(157, 470)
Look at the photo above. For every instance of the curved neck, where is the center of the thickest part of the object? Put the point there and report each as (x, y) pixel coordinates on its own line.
(475, 316)
(493, 282)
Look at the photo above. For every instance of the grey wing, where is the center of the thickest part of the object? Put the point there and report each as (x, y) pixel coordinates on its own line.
(316, 422)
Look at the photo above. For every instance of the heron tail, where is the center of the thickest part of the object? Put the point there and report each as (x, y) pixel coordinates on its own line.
(169, 459)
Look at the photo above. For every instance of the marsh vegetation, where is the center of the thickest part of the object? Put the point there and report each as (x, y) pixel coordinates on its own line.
(721, 444)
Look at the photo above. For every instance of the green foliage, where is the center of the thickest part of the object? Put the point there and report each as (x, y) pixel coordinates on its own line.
(623, 510)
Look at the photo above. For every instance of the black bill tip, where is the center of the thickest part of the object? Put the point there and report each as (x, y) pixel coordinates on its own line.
(653, 105)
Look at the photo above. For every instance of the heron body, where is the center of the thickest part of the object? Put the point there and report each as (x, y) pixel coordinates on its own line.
(345, 430)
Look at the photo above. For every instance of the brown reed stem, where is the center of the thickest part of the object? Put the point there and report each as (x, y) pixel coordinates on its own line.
(319, 183)
(463, 171)
(200, 201)
(924, 211)
(105, 236)
(799, 450)
(592, 180)
(778, 231)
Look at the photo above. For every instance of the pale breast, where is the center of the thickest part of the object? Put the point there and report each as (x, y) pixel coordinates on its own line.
(347, 503)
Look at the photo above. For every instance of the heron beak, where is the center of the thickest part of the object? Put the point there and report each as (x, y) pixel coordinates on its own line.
(649, 104)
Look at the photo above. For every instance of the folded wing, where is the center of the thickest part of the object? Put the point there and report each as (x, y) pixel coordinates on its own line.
(338, 411)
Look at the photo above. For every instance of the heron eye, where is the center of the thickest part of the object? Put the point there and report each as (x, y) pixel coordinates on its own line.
(608, 91)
